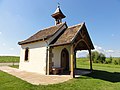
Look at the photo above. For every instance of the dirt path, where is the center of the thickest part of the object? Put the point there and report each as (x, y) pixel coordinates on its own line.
(7, 64)
(35, 78)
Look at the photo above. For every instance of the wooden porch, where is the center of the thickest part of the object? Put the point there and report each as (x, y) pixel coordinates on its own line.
(80, 41)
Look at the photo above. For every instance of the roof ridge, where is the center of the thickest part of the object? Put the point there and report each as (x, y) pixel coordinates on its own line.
(47, 35)
(76, 25)
(77, 31)
(51, 26)
(45, 29)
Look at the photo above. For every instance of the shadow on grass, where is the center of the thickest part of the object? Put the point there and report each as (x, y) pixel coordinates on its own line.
(104, 75)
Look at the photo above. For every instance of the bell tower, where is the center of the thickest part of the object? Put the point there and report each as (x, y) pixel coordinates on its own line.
(58, 15)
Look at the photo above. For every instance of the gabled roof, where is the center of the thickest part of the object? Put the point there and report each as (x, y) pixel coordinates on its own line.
(43, 34)
(71, 33)
(68, 35)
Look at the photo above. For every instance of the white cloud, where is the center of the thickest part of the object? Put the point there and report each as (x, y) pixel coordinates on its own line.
(82, 53)
(108, 53)
(99, 49)
(0, 32)
(9, 55)
(11, 49)
(3, 44)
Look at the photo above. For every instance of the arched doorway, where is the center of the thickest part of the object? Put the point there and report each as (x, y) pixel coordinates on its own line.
(65, 59)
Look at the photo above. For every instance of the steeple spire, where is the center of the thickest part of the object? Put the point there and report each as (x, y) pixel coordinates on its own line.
(58, 15)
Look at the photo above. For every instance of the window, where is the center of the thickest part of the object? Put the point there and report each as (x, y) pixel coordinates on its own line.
(26, 54)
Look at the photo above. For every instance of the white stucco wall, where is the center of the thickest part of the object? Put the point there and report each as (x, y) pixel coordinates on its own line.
(57, 55)
(37, 57)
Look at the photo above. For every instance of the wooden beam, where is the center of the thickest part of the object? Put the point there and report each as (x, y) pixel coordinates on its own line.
(75, 59)
(72, 62)
(90, 60)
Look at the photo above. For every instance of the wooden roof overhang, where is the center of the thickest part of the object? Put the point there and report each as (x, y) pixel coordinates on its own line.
(43, 34)
(80, 41)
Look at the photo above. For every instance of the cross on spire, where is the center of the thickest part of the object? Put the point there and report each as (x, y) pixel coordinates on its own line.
(58, 5)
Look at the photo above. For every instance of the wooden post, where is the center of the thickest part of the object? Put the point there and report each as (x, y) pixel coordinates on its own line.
(75, 58)
(90, 60)
(72, 62)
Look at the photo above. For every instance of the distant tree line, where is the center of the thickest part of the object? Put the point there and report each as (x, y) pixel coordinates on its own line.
(98, 57)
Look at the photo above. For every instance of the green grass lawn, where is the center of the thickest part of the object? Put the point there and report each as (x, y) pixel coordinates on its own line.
(6, 59)
(104, 77)
(15, 66)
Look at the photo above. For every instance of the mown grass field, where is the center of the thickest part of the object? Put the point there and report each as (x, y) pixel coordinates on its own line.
(84, 63)
(8, 59)
(104, 77)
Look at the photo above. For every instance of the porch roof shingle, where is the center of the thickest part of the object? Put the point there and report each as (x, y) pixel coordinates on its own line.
(68, 35)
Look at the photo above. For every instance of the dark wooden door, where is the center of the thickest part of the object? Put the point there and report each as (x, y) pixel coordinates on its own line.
(65, 59)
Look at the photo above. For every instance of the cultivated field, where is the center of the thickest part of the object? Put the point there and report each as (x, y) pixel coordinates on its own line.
(104, 77)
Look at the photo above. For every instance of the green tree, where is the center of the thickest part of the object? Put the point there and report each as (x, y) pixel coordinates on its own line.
(110, 59)
(97, 57)
(119, 61)
(101, 58)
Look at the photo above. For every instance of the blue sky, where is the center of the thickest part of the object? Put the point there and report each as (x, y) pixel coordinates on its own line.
(20, 19)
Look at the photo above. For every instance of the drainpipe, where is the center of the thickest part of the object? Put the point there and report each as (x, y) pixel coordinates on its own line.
(47, 58)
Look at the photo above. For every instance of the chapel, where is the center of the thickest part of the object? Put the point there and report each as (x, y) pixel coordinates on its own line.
(53, 50)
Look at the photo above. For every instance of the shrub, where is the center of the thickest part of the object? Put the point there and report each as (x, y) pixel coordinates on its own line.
(119, 61)
(115, 62)
(109, 60)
